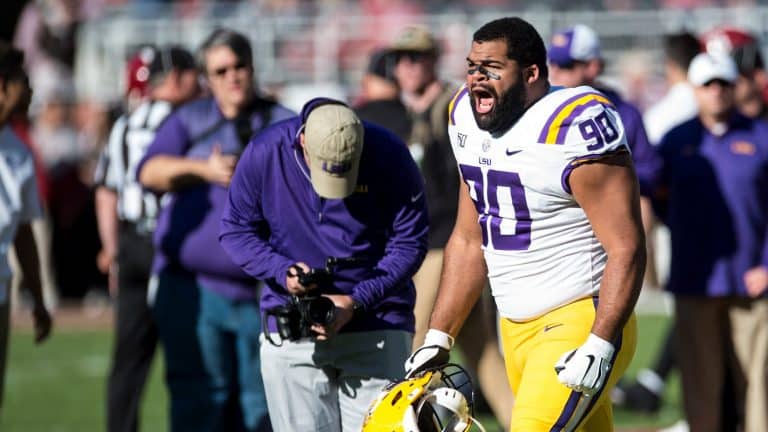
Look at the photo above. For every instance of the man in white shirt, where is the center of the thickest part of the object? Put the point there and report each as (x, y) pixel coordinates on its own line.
(19, 202)
(679, 103)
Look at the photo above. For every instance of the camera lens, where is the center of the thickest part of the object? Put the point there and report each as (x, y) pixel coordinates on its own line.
(321, 310)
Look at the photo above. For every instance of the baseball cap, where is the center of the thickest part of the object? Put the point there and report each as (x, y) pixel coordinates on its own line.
(706, 67)
(333, 139)
(150, 61)
(742, 46)
(578, 43)
(137, 70)
(415, 39)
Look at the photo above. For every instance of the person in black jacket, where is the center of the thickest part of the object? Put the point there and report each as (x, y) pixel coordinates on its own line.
(381, 96)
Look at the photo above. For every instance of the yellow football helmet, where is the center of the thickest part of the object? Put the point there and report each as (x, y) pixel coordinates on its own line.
(434, 400)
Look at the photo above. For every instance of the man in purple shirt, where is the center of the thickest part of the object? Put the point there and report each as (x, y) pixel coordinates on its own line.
(318, 186)
(714, 198)
(205, 307)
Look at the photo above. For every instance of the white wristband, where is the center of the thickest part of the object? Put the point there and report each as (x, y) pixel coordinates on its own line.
(439, 338)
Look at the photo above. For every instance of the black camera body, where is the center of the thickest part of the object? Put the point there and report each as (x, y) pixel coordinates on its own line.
(295, 319)
(321, 276)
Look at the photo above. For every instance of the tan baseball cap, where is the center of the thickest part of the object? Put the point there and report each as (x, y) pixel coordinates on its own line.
(415, 39)
(333, 139)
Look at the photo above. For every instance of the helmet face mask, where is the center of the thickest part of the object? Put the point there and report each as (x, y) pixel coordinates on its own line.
(435, 400)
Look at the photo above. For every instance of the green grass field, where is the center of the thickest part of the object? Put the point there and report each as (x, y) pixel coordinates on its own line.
(60, 386)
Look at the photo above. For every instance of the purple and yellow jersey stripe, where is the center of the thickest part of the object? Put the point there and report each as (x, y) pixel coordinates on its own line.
(556, 127)
(463, 91)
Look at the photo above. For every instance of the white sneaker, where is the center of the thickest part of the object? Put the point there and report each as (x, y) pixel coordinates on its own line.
(680, 426)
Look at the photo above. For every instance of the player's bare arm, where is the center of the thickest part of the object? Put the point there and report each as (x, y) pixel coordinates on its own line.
(608, 192)
(461, 283)
(464, 270)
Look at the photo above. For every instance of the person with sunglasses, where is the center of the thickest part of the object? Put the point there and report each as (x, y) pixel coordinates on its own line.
(713, 187)
(206, 308)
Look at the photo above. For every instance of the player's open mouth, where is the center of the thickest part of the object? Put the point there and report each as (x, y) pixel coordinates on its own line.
(484, 101)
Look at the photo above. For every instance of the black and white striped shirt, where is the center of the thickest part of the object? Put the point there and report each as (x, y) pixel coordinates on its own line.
(128, 141)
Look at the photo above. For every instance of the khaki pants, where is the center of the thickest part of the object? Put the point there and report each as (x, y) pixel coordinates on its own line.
(721, 339)
(477, 340)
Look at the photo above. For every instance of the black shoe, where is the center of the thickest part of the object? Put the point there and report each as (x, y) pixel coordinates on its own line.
(638, 397)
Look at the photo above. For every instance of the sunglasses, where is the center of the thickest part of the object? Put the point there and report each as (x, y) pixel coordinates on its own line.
(222, 71)
(413, 56)
(719, 82)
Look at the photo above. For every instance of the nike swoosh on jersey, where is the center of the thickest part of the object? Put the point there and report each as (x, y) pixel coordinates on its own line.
(549, 327)
(416, 197)
(512, 152)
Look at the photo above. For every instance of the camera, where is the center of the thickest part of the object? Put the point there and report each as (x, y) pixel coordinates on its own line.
(295, 319)
(322, 276)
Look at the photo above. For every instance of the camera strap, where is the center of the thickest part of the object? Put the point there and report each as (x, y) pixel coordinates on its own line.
(265, 329)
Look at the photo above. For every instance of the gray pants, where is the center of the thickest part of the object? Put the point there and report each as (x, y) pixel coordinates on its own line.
(328, 386)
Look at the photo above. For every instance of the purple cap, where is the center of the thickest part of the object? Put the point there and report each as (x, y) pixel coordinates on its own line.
(578, 43)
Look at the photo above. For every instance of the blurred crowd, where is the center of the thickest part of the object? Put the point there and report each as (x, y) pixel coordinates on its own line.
(69, 130)
(400, 89)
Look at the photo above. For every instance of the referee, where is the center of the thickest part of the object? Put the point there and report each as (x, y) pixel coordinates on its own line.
(126, 215)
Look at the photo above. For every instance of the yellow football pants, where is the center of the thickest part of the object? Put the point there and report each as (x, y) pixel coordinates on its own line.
(531, 350)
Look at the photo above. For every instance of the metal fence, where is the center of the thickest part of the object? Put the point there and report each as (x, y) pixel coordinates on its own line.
(333, 47)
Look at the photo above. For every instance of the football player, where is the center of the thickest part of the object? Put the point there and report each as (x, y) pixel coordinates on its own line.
(550, 214)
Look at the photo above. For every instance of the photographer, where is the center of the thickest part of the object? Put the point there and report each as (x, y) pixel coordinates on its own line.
(324, 204)
(204, 305)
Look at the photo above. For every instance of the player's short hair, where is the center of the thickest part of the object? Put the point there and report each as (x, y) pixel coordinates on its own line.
(11, 62)
(524, 43)
(231, 39)
(681, 48)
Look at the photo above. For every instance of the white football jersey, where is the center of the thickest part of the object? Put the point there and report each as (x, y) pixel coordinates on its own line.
(538, 244)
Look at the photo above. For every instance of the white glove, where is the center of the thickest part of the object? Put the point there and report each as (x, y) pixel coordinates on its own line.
(586, 368)
(434, 352)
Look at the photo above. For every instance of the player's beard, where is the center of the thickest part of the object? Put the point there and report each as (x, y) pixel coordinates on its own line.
(507, 109)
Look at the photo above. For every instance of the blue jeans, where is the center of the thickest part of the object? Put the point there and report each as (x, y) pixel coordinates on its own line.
(211, 348)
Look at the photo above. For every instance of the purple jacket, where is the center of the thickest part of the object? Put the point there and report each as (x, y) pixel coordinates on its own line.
(646, 161)
(186, 237)
(716, 190)
(274, 218)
